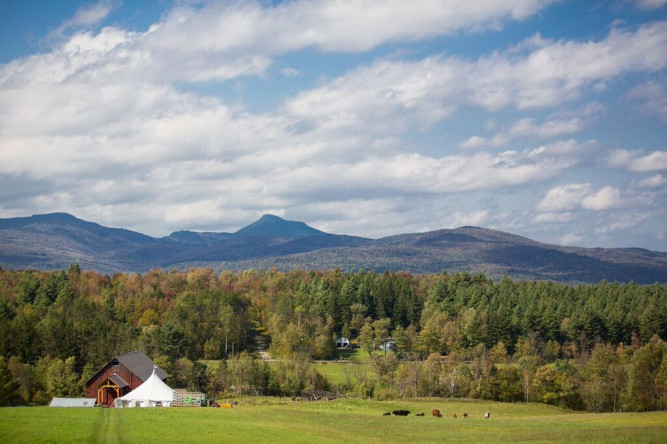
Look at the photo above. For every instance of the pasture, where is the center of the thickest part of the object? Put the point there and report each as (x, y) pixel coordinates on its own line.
(343, 420)
(345, 373)
(350, 365)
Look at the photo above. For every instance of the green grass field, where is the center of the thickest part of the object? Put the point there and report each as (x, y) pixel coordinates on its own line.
(350, 364)
(345, 420)
(352, 354)
(342, 373)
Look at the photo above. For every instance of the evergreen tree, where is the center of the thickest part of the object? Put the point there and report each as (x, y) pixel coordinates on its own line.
(647, 390)
(8, 384)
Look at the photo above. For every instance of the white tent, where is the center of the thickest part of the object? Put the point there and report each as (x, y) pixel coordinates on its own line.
(152, 393)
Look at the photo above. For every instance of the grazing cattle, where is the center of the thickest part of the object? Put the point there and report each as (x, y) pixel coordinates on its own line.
(465, 414)
(487, 415)
(454, 415)
(420, 414)
(437, 413)
(401, 412)
(386, 414)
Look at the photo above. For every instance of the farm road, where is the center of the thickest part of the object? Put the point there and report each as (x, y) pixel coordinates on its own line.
(108, 429)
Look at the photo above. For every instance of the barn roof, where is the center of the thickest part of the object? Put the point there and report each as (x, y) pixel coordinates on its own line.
(120, 382)
(141, 365)
(137, 362)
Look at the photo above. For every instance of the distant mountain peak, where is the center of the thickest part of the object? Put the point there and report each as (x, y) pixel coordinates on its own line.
(57, 214)
(271, 217)
(55, 217)
(271, 225)
(61, 219)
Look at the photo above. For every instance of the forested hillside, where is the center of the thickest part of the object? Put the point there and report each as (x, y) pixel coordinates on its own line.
(598, 347)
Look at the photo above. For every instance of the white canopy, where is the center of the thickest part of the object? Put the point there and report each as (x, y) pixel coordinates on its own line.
(152, 393)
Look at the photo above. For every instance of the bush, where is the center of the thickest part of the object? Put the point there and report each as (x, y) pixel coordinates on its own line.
(550, 398)
(385, 393)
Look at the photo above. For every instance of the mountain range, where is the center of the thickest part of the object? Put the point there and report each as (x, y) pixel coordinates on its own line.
(54, 241)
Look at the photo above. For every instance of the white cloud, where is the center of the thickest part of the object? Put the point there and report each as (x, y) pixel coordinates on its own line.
(421, 93)
(613, 227)
(360, 215)
(189, 159)
(497, 141)
(427, 91)
(386, 97)
(558, 124)
(622, 221)
(91, 15)
(604, 199)
(637, 161)
(561, 202)
(556, 72)
(411, 173)
(574, 238)
(648, 4)
(526, 127)
(652, 97)
(332, 25)
(223, 40)
(290, 72)
(579, 195)
(104, 121)
(85, 17)
(475, 218)
(563, 147)
(652, 182)
(565, 197)
(553, 217)
(473, 142)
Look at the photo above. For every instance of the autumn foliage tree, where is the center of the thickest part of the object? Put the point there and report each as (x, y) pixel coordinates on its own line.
(599, 347)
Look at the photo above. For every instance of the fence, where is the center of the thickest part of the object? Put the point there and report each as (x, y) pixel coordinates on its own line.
(189, 399)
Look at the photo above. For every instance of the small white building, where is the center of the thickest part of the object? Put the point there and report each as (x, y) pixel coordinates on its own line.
(342, 342)
(388, 345)
(72, 402)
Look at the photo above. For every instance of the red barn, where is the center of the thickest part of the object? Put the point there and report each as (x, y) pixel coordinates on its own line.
(120, 376)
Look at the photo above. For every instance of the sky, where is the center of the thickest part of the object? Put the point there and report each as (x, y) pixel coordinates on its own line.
(544, 118)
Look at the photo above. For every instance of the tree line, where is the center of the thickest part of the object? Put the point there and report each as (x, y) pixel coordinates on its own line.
(597, 347)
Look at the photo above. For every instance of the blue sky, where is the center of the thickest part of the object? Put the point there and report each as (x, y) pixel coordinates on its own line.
(544, 118)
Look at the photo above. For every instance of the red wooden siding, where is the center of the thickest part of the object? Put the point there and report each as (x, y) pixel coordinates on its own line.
(113, 367)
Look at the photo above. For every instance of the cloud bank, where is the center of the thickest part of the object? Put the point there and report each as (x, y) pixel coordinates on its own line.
(126, 127)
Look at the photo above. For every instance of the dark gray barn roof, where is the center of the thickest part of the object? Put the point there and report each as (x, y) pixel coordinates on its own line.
(141, 365)
(137, 362)
(120, 382)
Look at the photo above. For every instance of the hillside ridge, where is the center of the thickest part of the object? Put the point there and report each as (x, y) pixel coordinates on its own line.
(53, 241)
